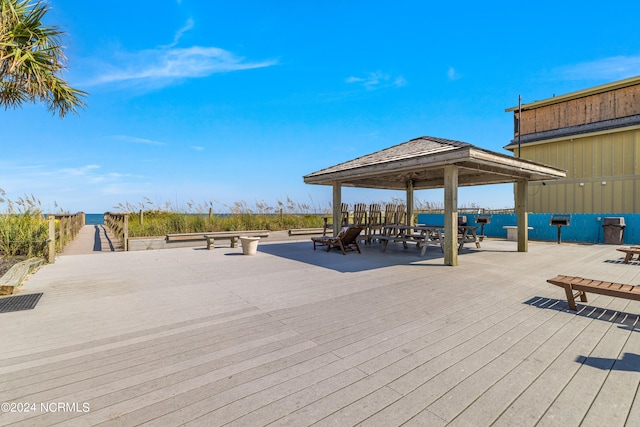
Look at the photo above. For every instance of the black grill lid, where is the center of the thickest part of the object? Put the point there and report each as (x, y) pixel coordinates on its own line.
(483, 219)
(561, 220)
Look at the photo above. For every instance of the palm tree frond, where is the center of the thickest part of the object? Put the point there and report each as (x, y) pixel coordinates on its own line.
(32, 59)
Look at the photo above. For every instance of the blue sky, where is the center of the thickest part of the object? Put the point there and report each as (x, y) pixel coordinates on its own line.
(211, 103)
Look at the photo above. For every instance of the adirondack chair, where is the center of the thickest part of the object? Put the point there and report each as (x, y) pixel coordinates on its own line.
(344, 219)
(360, 214)
(401, 215)
(389, 214)
(374, 225)
(346, 240)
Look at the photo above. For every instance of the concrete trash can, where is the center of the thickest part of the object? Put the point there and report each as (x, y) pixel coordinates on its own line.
(613, 230)
(249, 245)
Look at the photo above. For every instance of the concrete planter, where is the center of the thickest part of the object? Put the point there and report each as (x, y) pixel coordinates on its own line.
(249, 245)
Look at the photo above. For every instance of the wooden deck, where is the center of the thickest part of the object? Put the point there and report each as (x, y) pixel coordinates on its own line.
(293, 337)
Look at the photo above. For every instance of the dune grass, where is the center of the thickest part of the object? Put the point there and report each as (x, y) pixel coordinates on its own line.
(197, 218)
(23, 228)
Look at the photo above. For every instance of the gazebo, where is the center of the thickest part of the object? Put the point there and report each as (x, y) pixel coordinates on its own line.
(428, 162)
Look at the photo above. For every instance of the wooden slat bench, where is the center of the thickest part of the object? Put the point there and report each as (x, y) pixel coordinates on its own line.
(582, 286)
(305, 231)
(212, 236)
(630, 252)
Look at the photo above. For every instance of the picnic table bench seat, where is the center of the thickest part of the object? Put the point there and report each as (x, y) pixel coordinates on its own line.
(582, 286)
(210, 237)
(630, 252)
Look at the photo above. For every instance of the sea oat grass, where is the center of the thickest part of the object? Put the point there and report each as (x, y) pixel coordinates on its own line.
(162, 223)
(23, 228)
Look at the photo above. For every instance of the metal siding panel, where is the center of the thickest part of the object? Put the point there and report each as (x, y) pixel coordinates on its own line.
(578, 199)
(597, 197)
(627, 195)
(565, 158)
(618, 155)
(587, 158)
(628, 153)
(617, 196)
(607, 155)
(587, 206)
(578, 155)
(561, 200)
(544, 199)
(570, 191)
(597, 157)
(552, 155)
(584, 227)
(636, 157)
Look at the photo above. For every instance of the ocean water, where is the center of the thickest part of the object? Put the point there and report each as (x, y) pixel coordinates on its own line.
(94, 219)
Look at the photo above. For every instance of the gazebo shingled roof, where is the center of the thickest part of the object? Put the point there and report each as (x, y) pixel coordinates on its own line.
(422, 160)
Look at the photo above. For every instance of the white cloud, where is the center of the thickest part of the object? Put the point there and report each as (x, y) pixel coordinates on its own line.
(377, 80)
(136, 140)
(79, 171)
(452, 74)
(197, 148)
(178, 35)
(613, 68)
(166, 64)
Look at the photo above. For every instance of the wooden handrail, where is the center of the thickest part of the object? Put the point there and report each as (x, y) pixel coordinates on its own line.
(118, 225)
(69, 226)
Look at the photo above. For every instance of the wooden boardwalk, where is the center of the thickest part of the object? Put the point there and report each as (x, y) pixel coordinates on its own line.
(293, 337)
(92, 239)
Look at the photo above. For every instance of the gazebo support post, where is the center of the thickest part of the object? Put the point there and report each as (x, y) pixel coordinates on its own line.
(521, 209)
(337, 211)
(410, 220)
(451, 215)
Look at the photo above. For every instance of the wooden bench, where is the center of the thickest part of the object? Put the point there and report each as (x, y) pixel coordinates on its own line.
(630, 252)
(305, 231)
(582, 286)
(211, 237)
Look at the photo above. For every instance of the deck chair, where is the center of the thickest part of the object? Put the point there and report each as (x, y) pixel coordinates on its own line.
(344, 219)
(346, 240)
(374, 225)
(389, 214)
(401, 215)
(360, 214)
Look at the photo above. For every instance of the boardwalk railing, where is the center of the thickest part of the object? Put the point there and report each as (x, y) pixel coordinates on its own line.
(69, 226)
(118, 225)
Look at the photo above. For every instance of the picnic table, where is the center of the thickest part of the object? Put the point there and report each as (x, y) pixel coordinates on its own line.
(424, 235)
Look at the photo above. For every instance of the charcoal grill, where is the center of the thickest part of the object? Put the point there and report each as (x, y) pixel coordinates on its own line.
(482, 220)
(560, 221)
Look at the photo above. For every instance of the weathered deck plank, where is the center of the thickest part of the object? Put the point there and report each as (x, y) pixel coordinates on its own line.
(294, 337)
